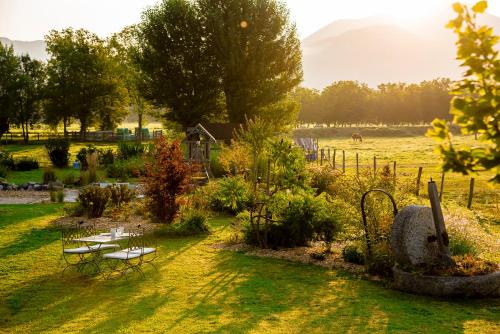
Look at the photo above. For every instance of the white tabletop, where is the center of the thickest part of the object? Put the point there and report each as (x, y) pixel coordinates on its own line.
(102, 238)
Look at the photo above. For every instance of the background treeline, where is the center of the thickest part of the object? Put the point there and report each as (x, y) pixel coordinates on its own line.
(351, 102)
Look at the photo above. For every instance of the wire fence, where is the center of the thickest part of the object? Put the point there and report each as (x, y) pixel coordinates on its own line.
(463, 189)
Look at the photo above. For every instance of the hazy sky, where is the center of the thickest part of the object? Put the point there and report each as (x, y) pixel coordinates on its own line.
(32, 19)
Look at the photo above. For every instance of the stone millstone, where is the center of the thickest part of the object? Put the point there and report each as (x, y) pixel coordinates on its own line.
(411, 230)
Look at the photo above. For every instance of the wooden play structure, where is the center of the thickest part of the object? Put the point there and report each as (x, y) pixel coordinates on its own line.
(199, 146)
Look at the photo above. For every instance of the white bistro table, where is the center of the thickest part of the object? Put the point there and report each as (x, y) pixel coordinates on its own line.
(100, 242)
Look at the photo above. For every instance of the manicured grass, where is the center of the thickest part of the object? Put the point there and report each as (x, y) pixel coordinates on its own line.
(199, 289)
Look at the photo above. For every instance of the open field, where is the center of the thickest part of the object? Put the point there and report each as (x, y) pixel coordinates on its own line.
(410, 153)
(199, 289)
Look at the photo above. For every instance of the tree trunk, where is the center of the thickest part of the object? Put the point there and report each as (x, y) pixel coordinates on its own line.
(65, 125)
(27, 136)
(24, 133)
(139, 135)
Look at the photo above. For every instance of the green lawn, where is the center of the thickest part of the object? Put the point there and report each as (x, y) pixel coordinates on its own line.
(199, 289)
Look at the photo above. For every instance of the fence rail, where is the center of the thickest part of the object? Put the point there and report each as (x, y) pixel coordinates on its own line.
(99, 136)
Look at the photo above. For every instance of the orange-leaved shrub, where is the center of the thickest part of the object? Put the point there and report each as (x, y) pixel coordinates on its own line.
(167, 176)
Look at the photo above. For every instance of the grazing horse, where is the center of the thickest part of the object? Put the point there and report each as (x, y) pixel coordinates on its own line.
(356, 137)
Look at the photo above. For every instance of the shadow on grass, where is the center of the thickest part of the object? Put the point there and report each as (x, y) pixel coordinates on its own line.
(31, 240)
(114, 304)
(15, 214)
(263, 294)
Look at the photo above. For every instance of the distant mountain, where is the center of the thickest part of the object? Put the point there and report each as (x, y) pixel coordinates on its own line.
(36, 49)
(375, 50)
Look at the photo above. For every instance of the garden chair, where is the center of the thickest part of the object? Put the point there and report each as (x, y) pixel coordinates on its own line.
(78, 254)
(140, 250)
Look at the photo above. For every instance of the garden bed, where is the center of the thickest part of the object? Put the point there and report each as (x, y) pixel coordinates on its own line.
(298, 254)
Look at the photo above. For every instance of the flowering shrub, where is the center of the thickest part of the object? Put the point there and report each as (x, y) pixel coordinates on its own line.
(166, 178)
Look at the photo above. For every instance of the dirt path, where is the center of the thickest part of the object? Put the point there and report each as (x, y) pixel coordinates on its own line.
(31, 197)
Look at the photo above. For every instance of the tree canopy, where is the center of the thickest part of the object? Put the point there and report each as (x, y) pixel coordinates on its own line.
(83, 81)
(9, 69)
(347, 102)
(215, 59)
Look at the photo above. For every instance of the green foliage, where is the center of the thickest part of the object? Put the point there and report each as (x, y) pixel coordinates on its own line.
(476, 101)
(106, 157)
(117, 171)
(207, 58)
(233, 195)
(83, 81)
(81, 156)
(9, 76)
(58, 150)
(93, 200)
(49, 175)
(3, 172)
(57, 196)
(120, 195)
(297, 220)
(322, 178)
(347, 102)
(353, 254)
(181, 71)
(31, 90)
(25, 164)
(130, 150)
(192, 222)
(6, 160)
(288, 166)
(70, 180)
(125, 169)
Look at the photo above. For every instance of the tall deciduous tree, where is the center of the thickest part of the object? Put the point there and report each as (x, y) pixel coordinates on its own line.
(9, 77)
(125, 48)
(83, 81)
(476, 101)
(31, 85)
(257, 50)
(179, 65)
(201, 56)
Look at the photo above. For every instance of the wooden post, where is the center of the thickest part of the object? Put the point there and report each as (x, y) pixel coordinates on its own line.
(471, 193)
(441, 234)
(394, 171)
(322, 154)
(334, 156)
(343, 161)
(329, 156)
(374, 166)
(441, 188)
(420, 169)
(357, 164)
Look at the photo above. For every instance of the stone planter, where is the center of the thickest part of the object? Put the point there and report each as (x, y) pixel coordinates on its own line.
(448, 286)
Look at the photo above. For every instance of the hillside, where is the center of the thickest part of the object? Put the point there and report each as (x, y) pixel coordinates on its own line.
(36, 49)
(374, 50)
